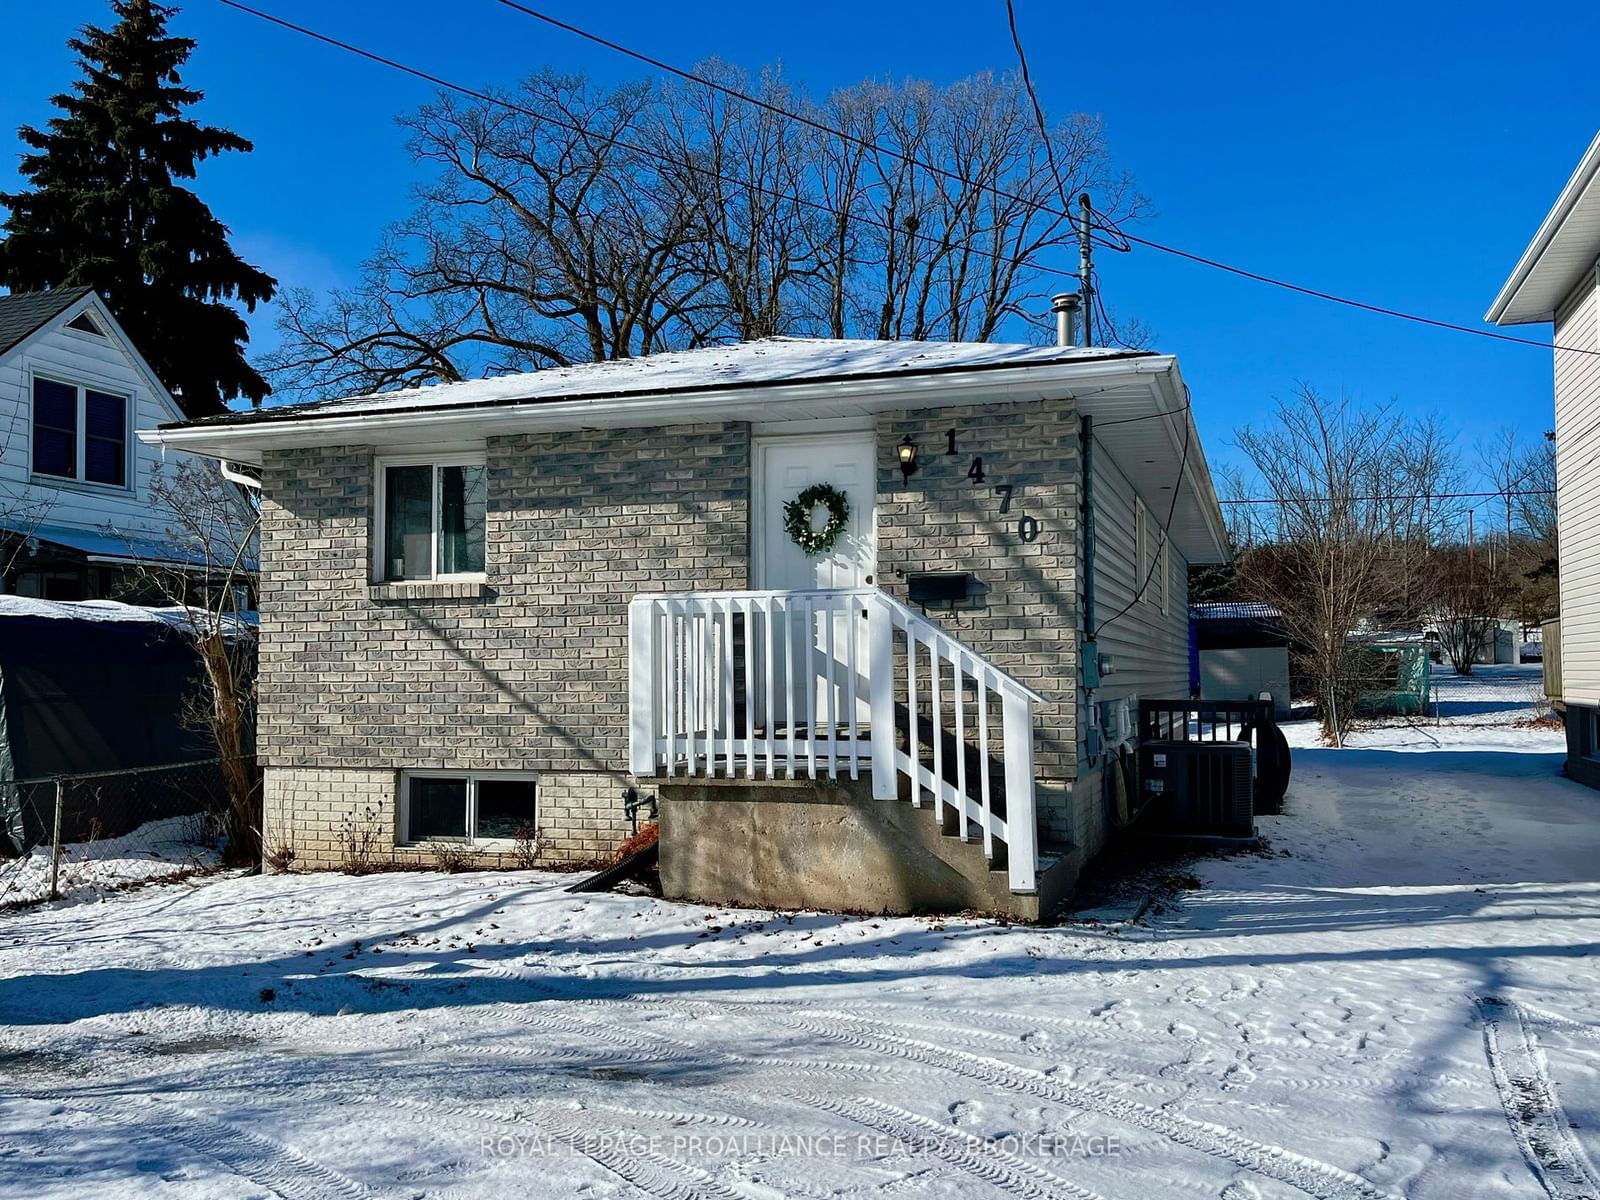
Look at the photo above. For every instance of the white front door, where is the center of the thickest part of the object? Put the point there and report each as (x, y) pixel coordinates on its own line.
(786, 466)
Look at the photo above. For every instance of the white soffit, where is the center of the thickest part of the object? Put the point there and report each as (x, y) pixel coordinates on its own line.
(1562, 251)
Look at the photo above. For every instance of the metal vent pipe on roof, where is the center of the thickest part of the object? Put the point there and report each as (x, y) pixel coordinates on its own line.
(1065, 306)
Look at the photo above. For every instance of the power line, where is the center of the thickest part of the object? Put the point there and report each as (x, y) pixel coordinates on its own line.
(1108, 227)
(800, 117)
(1288, 500)
(1157, 556)
(1333, 298)
(1033, 100)
(602, 138)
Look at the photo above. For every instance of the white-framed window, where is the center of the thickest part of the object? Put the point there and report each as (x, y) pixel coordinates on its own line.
(1165, 571)
(430, 518)
(84, 322)
(1141, 547)
(467, 806)
(79, 433)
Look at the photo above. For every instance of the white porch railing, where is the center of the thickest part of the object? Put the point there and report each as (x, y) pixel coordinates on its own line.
(816, 684)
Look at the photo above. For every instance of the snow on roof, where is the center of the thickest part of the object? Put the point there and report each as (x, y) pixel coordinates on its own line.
(100, 610)
(1231, 611)
(768, 362)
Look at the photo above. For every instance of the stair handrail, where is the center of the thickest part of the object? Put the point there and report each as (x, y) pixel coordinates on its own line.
(885, 614)
(909, 615)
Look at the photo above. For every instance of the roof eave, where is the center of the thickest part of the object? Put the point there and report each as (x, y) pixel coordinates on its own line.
(243, 442)
(1505, 310)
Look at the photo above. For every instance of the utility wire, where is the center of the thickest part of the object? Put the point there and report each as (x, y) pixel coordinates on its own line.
(1287, 500)
(1108, 225)
(488, 98)
(1331, 297)
(803, 119)
(1038, 113)
(1156, 557)
(604, 139)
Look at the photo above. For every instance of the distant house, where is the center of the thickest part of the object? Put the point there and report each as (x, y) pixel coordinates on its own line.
(75, 505)
(853, 610)
(1242, 653)
(1557, 280)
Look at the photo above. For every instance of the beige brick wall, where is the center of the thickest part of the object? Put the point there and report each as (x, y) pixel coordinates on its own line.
(526, 672)
(940, 520)
(529, 671)
(326, 815)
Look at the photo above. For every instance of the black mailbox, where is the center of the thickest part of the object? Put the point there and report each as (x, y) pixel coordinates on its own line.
(943, 590)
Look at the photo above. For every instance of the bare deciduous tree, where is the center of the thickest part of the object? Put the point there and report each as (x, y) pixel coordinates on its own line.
(1470, 593)
(1351, 492)
(1526, 545)
(215, 525)
(583, 224)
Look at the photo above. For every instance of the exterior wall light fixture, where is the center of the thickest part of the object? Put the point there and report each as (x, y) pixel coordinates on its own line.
(907, 450)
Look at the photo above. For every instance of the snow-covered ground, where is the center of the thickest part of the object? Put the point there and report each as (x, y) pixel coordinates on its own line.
(1399, 999)
(155, 850)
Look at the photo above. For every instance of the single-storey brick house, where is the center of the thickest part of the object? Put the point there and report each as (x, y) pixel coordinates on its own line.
(499, 605)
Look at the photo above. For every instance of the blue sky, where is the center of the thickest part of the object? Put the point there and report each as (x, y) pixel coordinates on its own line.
(1401, 154)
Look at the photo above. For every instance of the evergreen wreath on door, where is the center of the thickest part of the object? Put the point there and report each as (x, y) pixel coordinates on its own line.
(797, 518)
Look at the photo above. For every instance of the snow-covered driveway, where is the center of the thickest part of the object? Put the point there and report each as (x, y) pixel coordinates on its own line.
(1400, 1000)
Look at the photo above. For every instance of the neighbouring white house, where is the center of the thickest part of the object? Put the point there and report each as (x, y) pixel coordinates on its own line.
(1557, 281)
(867, 617)
(76, 511)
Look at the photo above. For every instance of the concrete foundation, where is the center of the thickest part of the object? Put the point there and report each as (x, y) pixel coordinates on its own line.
(805, 844)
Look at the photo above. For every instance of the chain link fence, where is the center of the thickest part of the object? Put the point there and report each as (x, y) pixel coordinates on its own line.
(84, 835)
(1500, 694)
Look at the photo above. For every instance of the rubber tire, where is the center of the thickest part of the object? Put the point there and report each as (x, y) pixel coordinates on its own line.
(1119, 803)
(1273, 767)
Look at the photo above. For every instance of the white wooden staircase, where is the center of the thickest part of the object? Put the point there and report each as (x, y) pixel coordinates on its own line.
(840, 684)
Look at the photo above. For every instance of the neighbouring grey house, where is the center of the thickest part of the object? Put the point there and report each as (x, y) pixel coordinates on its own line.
(1242, 653)
(495, 606)
(76, 514)
(1557, 280)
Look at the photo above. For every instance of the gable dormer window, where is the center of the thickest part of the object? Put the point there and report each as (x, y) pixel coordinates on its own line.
(84, 322)
(79, 433)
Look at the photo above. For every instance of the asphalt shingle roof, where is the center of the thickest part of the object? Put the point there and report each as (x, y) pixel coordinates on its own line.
(23, 312)
(764, 363)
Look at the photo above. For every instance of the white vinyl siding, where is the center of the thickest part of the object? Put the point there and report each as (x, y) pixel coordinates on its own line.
(87, 361)
(1149, 644)
(1578, 491)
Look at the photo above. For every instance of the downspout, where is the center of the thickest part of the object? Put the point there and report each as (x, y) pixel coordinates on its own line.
(1087, 435)
(1089, 654)
(234, 475)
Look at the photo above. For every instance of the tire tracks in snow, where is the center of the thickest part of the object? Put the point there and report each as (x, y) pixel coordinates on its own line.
(1309, 1175)
(657, 1174)
(1312, 1176)
(1533, 1110)
(265, 1162)
(976, 1156)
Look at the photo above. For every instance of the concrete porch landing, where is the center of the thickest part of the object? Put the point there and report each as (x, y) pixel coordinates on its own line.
(820, 844)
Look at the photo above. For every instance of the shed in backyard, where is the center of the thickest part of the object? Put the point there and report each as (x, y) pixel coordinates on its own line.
(1242, 652)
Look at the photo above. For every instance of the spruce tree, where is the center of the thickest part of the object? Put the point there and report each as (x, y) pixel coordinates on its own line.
(105, 210)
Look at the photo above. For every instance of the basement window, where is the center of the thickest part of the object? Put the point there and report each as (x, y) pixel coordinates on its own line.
(465, 806)
(431, 515)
